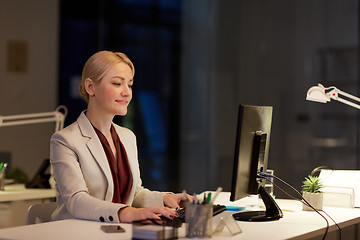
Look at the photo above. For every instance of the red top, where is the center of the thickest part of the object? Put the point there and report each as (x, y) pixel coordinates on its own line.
(119, 166)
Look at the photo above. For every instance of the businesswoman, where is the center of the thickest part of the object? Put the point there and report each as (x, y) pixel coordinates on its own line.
(95, 162)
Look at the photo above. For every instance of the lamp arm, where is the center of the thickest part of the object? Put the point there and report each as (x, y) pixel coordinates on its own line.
(349, 96)
(21, 119)
(348, 103)
(334, 94)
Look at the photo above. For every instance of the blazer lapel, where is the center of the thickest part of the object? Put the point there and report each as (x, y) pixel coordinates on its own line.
(97, 151)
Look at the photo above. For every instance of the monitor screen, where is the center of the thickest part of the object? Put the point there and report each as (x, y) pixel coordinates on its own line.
(250, 159)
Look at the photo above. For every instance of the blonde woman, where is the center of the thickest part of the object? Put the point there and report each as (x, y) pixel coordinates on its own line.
(95, 162)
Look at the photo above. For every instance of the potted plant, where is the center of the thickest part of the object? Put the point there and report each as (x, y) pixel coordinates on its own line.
(311, 190)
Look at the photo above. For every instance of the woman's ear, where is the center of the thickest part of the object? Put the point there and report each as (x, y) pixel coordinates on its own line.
(89, 86)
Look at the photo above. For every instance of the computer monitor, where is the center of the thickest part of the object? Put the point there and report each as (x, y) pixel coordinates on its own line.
(250, 159)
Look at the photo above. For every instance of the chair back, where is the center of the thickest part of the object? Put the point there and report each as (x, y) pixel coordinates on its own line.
(41, 212)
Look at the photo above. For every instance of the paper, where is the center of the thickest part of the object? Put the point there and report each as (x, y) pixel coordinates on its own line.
(150, 231)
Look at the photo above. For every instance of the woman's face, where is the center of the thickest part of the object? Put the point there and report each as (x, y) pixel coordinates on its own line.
(114, 92)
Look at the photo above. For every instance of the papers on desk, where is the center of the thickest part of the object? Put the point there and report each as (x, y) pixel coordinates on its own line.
(341, 187)
(150, 231)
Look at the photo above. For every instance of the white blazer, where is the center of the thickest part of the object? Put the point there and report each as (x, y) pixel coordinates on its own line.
(83, 178)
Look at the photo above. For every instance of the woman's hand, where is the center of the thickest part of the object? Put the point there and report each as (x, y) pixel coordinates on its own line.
(176, 200)
(130, 214)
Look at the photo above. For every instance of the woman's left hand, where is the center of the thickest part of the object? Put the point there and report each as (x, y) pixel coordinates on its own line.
(176, 201)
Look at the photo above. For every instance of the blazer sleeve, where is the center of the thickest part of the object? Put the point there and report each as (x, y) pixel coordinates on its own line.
(74, 200)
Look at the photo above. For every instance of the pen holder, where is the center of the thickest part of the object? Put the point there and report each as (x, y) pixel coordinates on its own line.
(199, 220)
(3, 166)
(2, 180)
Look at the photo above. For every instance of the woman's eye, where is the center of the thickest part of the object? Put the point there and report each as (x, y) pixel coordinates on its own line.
(130, 86)
(116, 84)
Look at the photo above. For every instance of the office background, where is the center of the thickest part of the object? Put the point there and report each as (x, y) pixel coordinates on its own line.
(195, 62)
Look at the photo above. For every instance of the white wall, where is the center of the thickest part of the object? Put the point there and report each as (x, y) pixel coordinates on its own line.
(36, 23)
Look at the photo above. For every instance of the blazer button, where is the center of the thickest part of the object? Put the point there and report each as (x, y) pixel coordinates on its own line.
(111, 218)
(101, 219)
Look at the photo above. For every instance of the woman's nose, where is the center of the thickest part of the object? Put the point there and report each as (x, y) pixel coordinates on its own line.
(126, 91)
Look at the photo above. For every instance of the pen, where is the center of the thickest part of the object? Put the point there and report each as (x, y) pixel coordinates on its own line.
(285, 210)
(208, 199)
(234, 208)
(218, 190)
(194, 200)
(186, 198)
(3, 168)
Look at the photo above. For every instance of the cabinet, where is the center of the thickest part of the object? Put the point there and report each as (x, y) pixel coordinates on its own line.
(15, 201)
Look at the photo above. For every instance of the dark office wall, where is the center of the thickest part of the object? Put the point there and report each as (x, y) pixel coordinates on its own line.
(267, 53)
(230, 52)
(148, 32)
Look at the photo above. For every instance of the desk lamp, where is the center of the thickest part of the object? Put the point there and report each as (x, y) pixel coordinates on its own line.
(40, 180)
(318, 94)
(56, 116)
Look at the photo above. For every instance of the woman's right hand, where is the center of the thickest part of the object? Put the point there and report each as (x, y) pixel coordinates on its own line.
(130, 214)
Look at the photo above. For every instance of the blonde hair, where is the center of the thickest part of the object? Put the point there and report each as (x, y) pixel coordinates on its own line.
(97, 66)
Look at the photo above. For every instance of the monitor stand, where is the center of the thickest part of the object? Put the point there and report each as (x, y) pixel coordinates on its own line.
(272, 212)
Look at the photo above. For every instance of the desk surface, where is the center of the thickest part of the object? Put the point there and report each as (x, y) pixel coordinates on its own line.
(17, 192)
(296, 224)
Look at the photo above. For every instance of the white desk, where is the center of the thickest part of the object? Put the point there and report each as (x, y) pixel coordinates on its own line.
(18, 192)
(296, 224)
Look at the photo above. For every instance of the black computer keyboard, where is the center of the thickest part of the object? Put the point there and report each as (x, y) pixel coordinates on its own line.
(178, 221)
(217, 208)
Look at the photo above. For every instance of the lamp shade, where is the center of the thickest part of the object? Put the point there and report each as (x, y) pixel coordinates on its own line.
(317, 94)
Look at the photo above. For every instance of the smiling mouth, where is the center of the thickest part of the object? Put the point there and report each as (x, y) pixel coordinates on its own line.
(121, 101)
